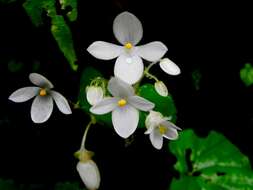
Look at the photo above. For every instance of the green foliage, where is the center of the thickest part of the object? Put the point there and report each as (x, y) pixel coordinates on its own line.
(72, 14)
(164, 105)
(68, 186)
(59, 27)
(211, 163)
(246, 74)
(7, 185)
(62, 35)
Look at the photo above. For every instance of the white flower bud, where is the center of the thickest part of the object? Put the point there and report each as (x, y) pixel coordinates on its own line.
(94, 94)
(89, 174)
(169, 67)
(161, 88)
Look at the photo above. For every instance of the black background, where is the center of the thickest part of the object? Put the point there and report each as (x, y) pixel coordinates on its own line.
(214, 38)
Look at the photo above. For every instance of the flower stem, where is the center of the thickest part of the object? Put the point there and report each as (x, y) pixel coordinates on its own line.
(92, 122)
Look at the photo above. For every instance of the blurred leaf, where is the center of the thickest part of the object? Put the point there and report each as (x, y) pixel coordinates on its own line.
(68, 186)
(72, 14)
(211, 163)
(63, 36)
(7, 1)
(14, 66)
(87, 76)
(196, 77)
(246, 74)
(7, 185)
(34, 9)
(165, 105)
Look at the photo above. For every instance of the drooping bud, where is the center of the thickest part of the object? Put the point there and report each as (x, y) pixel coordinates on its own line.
(94, 94)
(89, 174)
(161, 88)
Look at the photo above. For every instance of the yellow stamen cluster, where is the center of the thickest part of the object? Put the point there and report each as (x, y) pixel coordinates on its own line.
(128, 45)
(162, 129)
(122, 102)
(43, 92)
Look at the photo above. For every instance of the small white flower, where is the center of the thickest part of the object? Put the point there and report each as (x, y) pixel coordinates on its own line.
(161, 88)
(89, 174)
(128, 31)
(42, 105)
(169, 67)
(124, 106)
(94, 94)
(159, 127)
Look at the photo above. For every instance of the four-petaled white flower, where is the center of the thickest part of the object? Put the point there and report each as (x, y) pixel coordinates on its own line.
(124, 106)
(128, 31)
(159, 127)
(42, 105)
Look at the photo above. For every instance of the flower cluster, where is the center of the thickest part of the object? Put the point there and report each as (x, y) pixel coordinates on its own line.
(118, 96)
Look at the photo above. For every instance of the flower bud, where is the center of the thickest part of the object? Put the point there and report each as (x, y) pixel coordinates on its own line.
(89, 174)
(169, 67)
(94, 94)
(161, 88)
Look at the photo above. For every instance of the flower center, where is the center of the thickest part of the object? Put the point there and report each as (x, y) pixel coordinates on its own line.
(162, 129)
(122, 102)
(128, 45)
(43, 92)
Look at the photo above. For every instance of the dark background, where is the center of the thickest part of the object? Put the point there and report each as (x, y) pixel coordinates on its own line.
(212, 38)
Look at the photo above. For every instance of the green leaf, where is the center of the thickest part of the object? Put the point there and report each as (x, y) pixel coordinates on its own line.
(87, 76)
(246, 74)
(165, 105)
(72, 14)
(212, 163)
(63, 36)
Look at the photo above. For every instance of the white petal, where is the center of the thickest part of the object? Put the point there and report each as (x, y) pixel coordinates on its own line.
(169, 124)
(94, 94)
(156, 139)
(129, 69)
(24, 94)
(61, 102)
(125, 120)
(104, 106)
(140, 103)
(127, 28)
(89, 174)
(119, 88)
(152, 51)
(104, 50)
(169, 67)
(161, 88)
(171, 134)
(42, 108)
(40, 80)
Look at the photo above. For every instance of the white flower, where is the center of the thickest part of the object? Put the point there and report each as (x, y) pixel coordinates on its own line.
(124, 107)
(89, 174)
(169, 67)
(161, 88)
(159, 127)
(42, 105)
(94, 94)
(128, 31)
